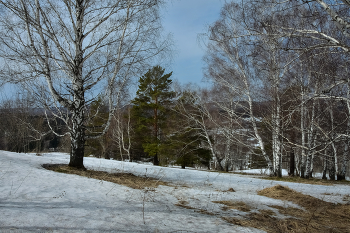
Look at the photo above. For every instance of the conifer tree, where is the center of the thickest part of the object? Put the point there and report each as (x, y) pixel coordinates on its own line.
(151, 107)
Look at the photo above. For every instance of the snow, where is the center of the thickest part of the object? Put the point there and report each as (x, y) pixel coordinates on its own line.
(34, 199)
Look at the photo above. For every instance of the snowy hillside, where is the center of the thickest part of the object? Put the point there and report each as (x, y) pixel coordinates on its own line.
(33, 199)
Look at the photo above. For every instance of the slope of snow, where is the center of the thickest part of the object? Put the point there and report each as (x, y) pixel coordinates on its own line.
(34, 199)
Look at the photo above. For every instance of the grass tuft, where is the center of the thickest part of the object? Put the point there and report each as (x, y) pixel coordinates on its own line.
(239, 205)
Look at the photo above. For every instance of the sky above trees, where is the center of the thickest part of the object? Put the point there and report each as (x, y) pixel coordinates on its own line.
(185, 20)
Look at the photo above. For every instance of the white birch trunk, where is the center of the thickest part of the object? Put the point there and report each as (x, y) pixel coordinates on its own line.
(341, 175)
(276, 139)
(333, 166)
(303, 135)
(310, 150)
(256, 132)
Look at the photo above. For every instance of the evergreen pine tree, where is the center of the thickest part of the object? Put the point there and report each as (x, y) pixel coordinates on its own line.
(151, 107)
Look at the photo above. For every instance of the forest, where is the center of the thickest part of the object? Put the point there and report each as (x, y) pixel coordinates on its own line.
(279, 93)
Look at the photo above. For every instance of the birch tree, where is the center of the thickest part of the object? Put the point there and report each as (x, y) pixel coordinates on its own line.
(121, 131)
(68, 52)
(244, 56)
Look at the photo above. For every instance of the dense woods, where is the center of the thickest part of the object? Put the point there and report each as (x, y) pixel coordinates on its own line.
(279, 96)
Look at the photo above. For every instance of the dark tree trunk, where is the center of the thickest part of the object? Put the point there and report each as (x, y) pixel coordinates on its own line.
(302, 170)
(340, 177)
(226, 166)
(77, 150)
(156, 160)
(218, 165)
(331, 168)
(77, 158)
(292, 163)
(278, 172)
(155, 110)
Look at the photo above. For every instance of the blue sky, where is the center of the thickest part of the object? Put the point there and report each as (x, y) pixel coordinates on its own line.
(185, 19)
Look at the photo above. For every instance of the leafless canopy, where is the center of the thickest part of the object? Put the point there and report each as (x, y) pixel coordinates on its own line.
(69, 51)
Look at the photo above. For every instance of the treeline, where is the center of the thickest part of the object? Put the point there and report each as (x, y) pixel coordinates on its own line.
(170, 124)
(279, 98)
(293, 56)
(24, 127)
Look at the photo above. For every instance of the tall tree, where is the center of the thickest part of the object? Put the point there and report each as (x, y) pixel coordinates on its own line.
(230, 62)
(151, 107)
(68, 52)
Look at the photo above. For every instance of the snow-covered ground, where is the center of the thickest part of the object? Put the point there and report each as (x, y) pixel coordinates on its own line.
(34, 199)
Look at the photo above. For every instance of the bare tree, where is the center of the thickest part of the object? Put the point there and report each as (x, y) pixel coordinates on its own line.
(245, 57)
(69, 51)
(121, 131)
(23, 126)
(256, 45)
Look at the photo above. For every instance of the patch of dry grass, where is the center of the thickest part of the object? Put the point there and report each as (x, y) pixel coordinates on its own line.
(184, 204)
(238, 205)
(297, 179)
(317, 216)
(230, 190)
(126, 179)
(346, 198)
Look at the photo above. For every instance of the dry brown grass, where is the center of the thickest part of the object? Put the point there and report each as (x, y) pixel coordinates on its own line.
(346, 198)
(317, 216)
(238, 205)
(230, 190)
(184, 204)
(297, 179)
(126, 179)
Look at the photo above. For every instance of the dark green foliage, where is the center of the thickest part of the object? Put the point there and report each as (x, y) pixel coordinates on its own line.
(187, 143)
(150, 111)
(257, 161)
(187, 146)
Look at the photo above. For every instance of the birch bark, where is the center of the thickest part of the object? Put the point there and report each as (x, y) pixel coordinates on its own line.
(70, 52)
